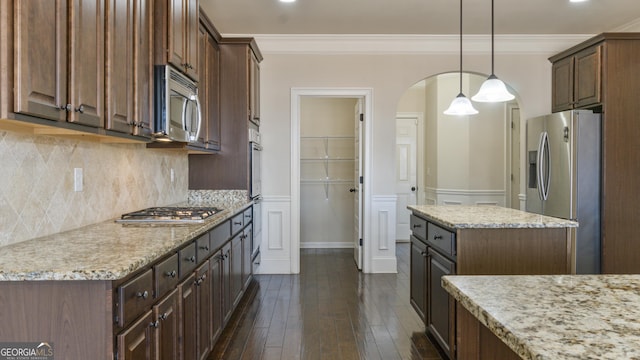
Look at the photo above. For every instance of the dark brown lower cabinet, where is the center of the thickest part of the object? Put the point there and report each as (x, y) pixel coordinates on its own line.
(236, 269)
(203, 310)
(440, 322)
(137, 341)
(216, 265)
(166, 317)
(188, 312)
(418, 290)
(227, 300)
(247, 266)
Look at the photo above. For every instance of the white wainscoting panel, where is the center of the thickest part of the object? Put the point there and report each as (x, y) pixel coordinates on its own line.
(275, 249)
(383, 237)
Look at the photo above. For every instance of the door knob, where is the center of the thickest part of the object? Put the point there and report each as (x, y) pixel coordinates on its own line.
(352, 190)
(413, 188)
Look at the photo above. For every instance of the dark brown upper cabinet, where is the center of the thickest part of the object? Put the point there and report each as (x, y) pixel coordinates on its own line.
(176, 35)
(59, 67)
(129, 69)
(577, 80)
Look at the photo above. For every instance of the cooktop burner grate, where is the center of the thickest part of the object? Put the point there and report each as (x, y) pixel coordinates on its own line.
(170, 214)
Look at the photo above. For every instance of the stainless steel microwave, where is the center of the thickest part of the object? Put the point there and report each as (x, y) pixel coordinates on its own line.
(177, 108)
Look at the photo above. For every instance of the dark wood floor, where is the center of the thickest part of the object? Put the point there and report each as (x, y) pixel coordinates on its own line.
(329, 311)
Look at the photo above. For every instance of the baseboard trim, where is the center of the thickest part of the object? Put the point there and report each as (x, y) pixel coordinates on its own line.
(326, 245)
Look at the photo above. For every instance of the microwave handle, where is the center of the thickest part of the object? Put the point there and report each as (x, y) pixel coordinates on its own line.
(199, 118)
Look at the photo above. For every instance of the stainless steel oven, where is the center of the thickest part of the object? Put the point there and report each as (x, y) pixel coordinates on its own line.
(255, 176)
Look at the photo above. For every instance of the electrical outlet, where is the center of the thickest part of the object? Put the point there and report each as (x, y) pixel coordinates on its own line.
(173, 175)
(77, 179)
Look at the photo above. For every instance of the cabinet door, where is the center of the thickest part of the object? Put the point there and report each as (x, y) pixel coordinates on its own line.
(177, 27)
(217, 295)
(440, 317)
(191, 38)
(41, 58)
(236, 268)
(203, 89)
(418, 291)
(188, 318)
(119, 65)
(143, 68)
(254, 88)
(227, 305)
(587, 73)
(210, 75)
(246, 256)
(203, 295)
(86, 62)
(136, 342)
(166, 319)
(562, 85)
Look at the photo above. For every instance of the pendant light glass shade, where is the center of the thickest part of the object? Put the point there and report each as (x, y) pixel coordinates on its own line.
(461, 105)
(492, 89)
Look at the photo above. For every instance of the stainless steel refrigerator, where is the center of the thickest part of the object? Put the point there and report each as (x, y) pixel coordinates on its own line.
(563, 177)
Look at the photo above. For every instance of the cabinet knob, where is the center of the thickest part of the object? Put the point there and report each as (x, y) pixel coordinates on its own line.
(423, 253)
(205, 248)
(143, 295)
(65, 107)
(80, 109)
(163, 316)
(154, 324)
(352, 190)
(171, 273)
(192, 258)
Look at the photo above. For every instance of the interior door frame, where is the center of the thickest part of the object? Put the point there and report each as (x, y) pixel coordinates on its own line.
(366, 95)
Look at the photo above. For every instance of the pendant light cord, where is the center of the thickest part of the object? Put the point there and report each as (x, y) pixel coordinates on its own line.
(460, 46)
(492, 32)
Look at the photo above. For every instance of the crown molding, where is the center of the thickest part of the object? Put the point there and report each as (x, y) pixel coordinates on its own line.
(412, 44)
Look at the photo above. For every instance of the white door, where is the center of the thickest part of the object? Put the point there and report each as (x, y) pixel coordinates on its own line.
(406, 174)
(357, 173)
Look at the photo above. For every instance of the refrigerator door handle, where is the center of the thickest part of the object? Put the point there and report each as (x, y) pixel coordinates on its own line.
(545, 166)
(539, 167)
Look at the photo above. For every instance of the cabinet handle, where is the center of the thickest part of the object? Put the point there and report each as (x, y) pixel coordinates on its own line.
(143, 295)
(198, 282)
(352, 190)
(80, 109)
(171, 273)
(192, 259)
(65, 107)
(437, 237)
(204, 276)
(423, 253)
(205, 248)
(163, 316)
(154, 324)
(237, 223)
(416, 226)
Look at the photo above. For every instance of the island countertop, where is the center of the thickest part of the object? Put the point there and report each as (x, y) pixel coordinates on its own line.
(556, 316)
(109, 250)
(487, 216)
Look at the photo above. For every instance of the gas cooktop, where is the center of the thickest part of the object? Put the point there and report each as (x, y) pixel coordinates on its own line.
(169, 214)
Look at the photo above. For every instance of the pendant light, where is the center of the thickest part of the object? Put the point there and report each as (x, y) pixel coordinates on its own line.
(461, 104)
(492, 89)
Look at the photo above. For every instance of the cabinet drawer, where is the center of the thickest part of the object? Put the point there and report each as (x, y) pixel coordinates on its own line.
(219, 235)
(203, 247)
(166, 275)
(443, 240)
(135, 297)
(237, 223)
(418, 226)
(248, 216)
(187, 259)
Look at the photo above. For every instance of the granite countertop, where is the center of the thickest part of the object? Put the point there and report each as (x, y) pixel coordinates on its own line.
(556, 316)
(109, 250)
(487, 216)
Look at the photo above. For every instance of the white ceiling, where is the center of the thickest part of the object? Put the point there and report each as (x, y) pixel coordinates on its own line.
(254, 17)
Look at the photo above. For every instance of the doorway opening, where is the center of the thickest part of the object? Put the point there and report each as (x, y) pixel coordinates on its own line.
(330, 186)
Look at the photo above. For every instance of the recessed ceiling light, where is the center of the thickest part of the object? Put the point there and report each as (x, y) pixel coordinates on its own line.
(578, 0)
(287, 0)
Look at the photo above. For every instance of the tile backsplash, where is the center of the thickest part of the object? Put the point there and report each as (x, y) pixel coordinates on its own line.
(37, 196)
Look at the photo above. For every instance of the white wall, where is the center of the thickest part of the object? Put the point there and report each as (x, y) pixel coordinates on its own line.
(389, 73)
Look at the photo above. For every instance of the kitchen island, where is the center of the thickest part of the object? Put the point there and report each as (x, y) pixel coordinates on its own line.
(123, 291)
(548, 317)
(478, 240)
